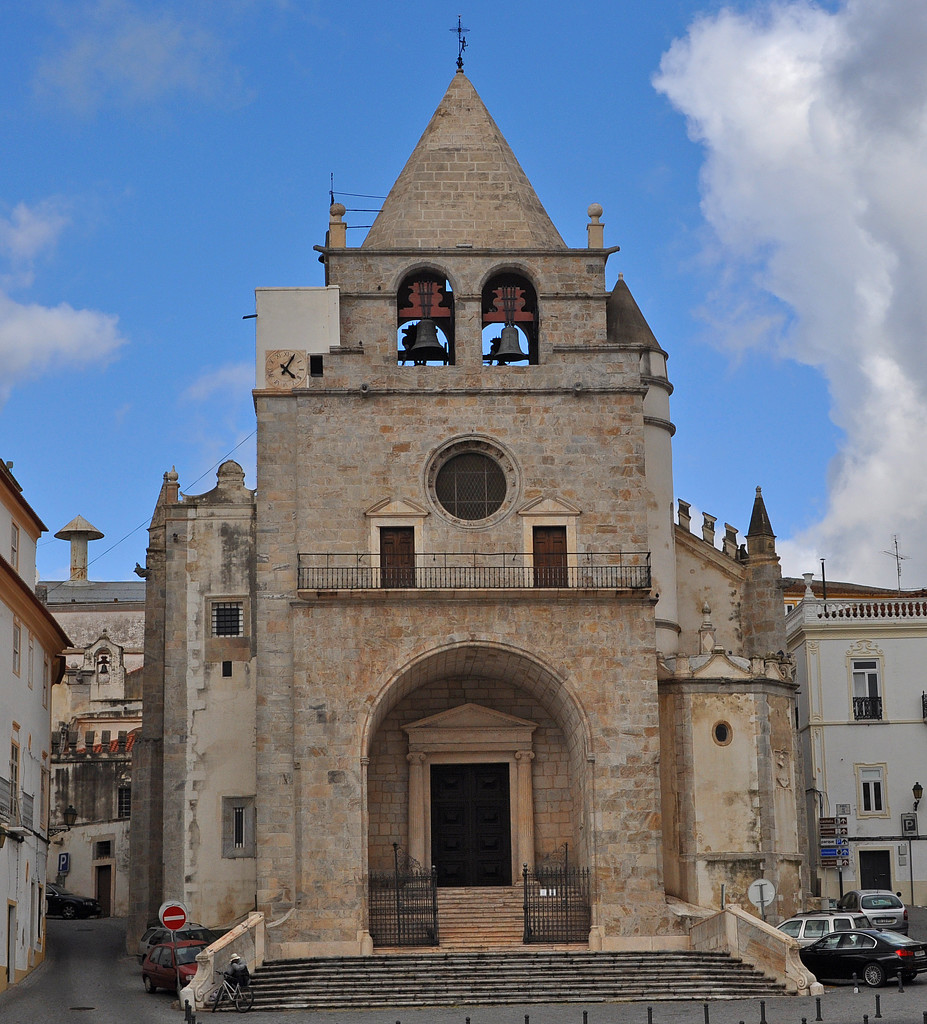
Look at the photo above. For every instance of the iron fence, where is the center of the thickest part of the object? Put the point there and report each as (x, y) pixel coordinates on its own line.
(625, 570)
(403, 903)
(557, 906)
(867, 708)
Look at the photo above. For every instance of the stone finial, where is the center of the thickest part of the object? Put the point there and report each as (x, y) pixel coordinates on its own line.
(170, 490)
(808, 577)
(708, 528)
(595, 231)
(337, 229)
(683, 516)
(79, 532)
(706, 631)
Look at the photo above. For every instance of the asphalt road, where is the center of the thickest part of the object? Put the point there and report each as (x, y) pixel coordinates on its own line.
(88, 979)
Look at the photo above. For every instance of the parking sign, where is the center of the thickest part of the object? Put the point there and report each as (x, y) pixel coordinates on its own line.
(64, 863)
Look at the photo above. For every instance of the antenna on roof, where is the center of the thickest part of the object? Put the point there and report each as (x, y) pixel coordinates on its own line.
(461, 42)
(899, 558)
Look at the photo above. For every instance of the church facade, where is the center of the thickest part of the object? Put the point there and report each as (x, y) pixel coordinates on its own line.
(460, 616)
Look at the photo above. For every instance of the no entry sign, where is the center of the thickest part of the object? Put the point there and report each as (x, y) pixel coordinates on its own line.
(173, 914)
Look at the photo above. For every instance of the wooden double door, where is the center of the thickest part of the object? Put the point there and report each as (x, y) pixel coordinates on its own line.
(471, 838)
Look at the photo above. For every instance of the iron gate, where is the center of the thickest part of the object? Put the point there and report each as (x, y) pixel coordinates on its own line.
(403, 903)
(557, 907)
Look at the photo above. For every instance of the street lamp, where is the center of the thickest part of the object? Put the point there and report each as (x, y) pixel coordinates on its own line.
(70, 817)
(918, 790)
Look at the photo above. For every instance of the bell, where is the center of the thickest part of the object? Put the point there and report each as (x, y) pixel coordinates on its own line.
(426, 348)
(509, 346)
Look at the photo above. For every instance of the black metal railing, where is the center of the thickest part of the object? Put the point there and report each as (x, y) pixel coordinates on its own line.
(557, 906)
(924, 706)
(867, 708)
(624, 570)
(403, 903)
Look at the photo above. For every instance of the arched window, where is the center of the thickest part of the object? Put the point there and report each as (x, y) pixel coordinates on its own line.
(510, 320)
(425, 320)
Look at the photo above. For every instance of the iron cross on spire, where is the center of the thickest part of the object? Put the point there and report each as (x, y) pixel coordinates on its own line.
(461, 42)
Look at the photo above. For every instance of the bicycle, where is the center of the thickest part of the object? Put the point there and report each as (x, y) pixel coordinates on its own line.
(243, 998)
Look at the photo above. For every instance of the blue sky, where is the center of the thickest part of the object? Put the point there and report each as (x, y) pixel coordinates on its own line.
(759, 164)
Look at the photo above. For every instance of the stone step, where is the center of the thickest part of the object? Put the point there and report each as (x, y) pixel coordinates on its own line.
(505, 978)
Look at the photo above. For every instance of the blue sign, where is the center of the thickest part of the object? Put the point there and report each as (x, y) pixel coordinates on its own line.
(64, 863)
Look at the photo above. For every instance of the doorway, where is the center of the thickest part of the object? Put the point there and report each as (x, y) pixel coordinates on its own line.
(104, 882)
(875, 869)
(471, 842)
(550, 556)
(11, 943)
(397, 556)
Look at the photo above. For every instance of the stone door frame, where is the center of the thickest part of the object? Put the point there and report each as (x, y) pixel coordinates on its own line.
(472, 734)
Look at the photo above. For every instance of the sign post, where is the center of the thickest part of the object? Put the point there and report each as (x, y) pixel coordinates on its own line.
(173, 915)
(761, 893)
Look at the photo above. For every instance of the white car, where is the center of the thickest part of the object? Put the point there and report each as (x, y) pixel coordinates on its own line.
(808, 928)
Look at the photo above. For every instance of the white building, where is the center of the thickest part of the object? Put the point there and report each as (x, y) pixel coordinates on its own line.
(30, 645)
(859, 662)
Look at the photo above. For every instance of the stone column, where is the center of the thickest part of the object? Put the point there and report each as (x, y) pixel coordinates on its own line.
(417, 806)
(524, 787)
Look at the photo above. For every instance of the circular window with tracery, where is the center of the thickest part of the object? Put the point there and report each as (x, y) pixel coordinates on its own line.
(472, 481)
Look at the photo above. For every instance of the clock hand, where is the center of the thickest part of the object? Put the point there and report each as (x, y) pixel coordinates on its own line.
(285, 367)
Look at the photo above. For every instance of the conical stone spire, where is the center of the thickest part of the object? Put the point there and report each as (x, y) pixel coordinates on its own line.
(462, 186)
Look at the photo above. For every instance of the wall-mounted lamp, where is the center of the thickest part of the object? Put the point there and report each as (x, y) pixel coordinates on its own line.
(70, 817)
(918, 790)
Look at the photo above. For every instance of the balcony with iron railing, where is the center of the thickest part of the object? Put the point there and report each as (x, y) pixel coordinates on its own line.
(624, 570)
(867, 709)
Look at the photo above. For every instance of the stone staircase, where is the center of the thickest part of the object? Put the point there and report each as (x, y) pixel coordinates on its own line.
(504, 977)
(475, 919)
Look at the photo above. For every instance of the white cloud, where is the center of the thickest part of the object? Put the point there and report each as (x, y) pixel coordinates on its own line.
(30, 230)
(233, 379)
(36, 338)
(814, 129)
(118, 51)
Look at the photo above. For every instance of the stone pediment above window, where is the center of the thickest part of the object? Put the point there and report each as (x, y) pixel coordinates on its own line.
(470, 727)
(549, 507)
(390, 508)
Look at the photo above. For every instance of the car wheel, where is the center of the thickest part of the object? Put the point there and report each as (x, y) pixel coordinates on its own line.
(874, 975)
(69, 911)
(149, 987)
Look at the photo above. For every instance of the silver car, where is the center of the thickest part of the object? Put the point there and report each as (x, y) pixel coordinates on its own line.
(808, 928)
(881, 906)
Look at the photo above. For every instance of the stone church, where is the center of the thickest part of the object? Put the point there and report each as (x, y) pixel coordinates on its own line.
(460, 618)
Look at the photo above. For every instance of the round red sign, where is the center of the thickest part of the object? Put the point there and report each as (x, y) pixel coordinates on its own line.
(173, 915)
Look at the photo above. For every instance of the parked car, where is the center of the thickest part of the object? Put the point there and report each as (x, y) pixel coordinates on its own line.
(157, 934)
(170, 965)
(871, 955)
(881, 906)
(59, 902)
(808, 928)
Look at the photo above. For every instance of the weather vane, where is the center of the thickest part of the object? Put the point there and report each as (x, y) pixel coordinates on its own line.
(461, 42)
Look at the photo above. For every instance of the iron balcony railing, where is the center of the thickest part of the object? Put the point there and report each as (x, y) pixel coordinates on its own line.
(623, 570)
(867, 708)
(403, 903)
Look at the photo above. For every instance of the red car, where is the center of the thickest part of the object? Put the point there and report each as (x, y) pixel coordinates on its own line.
(170, 966)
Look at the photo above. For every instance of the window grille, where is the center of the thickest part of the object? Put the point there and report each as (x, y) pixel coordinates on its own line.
(227, 618)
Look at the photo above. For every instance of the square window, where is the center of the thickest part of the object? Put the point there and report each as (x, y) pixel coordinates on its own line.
(228, 618)
(124, 802)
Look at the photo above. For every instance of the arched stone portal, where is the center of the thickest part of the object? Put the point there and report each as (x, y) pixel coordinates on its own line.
(477, 704)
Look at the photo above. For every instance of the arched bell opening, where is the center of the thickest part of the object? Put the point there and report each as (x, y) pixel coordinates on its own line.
(510, 321)
(475, 727)
(425, 320)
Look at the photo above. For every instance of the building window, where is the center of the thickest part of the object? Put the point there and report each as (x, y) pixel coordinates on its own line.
(238, 826)
(17, 648)
(425, 319)
(46, 679)
(867, 696)
(30, 662)
(14, 546)
(228, 618)
(102, 849)
(470, 486)
(510, 320)
(722, 733)
(14, 781)
(871, 784)
(124, 802)
(43, 798)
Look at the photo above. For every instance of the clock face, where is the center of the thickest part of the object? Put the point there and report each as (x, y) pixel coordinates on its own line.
(284, 368)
